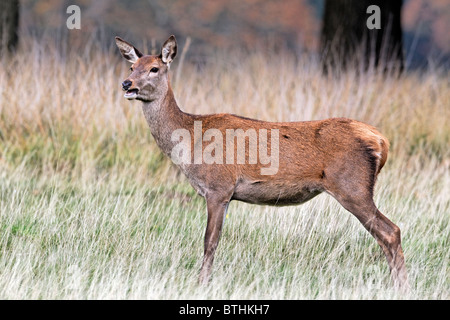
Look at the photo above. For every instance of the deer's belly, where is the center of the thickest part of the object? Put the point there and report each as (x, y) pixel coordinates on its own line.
(276, 194)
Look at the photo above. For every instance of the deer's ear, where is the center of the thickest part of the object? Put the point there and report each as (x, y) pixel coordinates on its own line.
(169, 50)
(128, 51)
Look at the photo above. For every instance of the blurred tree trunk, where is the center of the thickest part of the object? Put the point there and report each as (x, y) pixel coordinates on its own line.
(346, 39)
(9, 23)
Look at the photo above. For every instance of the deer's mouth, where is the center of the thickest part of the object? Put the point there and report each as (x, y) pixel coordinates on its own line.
(131, 93)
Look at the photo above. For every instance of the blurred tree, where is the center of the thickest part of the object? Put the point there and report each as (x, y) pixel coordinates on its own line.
(352, 34)
(9, 23)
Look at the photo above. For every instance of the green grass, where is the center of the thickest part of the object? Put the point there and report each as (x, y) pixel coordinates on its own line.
(119, 239)
(90, 209)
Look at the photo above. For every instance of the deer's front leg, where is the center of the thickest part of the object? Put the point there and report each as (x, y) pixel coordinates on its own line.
(217, 208)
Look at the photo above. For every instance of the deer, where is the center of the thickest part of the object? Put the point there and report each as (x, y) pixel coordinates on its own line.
(338, 156)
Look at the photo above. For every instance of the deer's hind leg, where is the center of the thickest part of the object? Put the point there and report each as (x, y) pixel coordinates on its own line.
(383, 230)
(352, 186)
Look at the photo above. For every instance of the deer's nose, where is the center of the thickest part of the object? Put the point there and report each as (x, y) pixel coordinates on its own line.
(126, 85)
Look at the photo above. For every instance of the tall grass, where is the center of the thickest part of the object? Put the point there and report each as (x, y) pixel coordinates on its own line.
(89, 207)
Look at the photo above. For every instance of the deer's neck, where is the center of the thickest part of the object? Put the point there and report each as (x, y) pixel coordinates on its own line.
(163, 117)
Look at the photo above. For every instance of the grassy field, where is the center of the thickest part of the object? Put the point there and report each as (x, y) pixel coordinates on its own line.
(90, 209)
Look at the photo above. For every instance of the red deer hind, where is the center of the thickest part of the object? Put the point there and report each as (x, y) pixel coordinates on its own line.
(339, 156)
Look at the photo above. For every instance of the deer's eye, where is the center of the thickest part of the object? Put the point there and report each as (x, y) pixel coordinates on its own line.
(154, 70)
(131, 69)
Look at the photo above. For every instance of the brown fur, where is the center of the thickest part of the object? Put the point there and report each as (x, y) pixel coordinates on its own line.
(341, 157)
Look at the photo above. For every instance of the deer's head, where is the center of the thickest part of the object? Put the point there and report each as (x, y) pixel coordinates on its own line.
(149, 78)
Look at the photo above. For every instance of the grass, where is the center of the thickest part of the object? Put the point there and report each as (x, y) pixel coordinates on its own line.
(90, 209)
